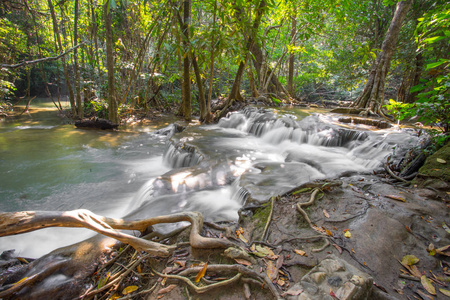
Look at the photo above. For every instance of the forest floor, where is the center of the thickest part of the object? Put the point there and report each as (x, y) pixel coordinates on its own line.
(365, 221)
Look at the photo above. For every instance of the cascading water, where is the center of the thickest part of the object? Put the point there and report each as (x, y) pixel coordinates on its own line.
(252, 154)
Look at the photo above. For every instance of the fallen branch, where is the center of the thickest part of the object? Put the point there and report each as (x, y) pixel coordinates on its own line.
(12, 223)
(40, 60)
(203, 289)
(305, 216)
(269, 219)
(32, 279)
(238, 269)
(386, 166)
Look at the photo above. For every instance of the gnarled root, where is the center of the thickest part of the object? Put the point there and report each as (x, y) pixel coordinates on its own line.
(26, 221)
(306, 217)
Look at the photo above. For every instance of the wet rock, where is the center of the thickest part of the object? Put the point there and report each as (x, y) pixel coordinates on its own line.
(334, 274)
(170, 130)
(96, 123)
(365, 121)
(346, 110)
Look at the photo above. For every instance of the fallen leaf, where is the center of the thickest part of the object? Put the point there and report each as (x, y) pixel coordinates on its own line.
(262, 251)
(103, 280)
(181, 263)
(272, 271)
(423, 295)
(431, 250)
(201, 273)
(333, 295)
(242, 238)
(415, 271)
(139, 269)
(397, 198)
(353, 250)
(444, 250)
(23, 260)
(445, 292)
(115, 296)
(242, 261)
(325, 213)
(129, 289)
(292, 293)
(409, 260)
(21, 280)
(338, 248)
(304, 190)
(167, 289)
(300, 252)
(329, 233)
(445, 227)
(408, 229)
(280, 262)
(347, 234)
(440, 160)
(281, 282)
(426, 283)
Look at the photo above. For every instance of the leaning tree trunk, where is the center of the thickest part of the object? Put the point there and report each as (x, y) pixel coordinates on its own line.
(63, 59)
(76, 64)
(234, 93)
(373, 94)
(290, 81)
(112, 102)
(186, 70)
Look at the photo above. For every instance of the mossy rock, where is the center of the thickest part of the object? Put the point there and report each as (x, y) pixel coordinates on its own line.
(436, 172)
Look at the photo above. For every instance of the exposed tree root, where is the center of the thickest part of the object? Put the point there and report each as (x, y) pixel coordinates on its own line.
(269, 219)
(202, 289)
(306, 217)
(26, 221)
(32, 279)
(246, 272)
(386, 166)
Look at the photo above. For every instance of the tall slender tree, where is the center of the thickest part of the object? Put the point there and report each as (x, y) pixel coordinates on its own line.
(372, 96)
(63, 58)
(112, 101)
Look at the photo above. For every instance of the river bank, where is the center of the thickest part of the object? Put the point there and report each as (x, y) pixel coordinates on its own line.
(372, 221)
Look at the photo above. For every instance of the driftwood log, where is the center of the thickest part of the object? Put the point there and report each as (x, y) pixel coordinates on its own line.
(96, 123)
(12, 223)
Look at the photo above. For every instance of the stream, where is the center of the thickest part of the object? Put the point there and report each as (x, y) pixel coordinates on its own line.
(143, 171)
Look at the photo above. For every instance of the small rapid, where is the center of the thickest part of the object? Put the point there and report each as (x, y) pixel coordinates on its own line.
(250, 155)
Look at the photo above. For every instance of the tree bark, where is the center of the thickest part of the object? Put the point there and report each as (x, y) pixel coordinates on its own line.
(211, 74)
(186, 74)
(290, 85)
(372, 96)
(112, 102)
(234, 93)
(63, 59)
(75, 58)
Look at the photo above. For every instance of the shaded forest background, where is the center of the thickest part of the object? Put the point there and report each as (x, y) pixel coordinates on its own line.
(115, 58)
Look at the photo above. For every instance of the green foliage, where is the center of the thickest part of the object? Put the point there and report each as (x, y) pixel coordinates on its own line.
(96, 108)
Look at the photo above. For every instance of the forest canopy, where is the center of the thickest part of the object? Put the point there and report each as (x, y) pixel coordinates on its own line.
(113, 56)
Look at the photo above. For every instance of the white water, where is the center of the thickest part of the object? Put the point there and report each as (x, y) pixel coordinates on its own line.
(211, 169)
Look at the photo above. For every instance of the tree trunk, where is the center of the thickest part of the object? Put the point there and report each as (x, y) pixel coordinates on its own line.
(372, 96)
(112, 102)
(201, 93)
(263, 72)
(290, 85)
(63, 59)
(234, 93)
(211, 74)
(186, 76)
(75, 58)
(411, 98)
